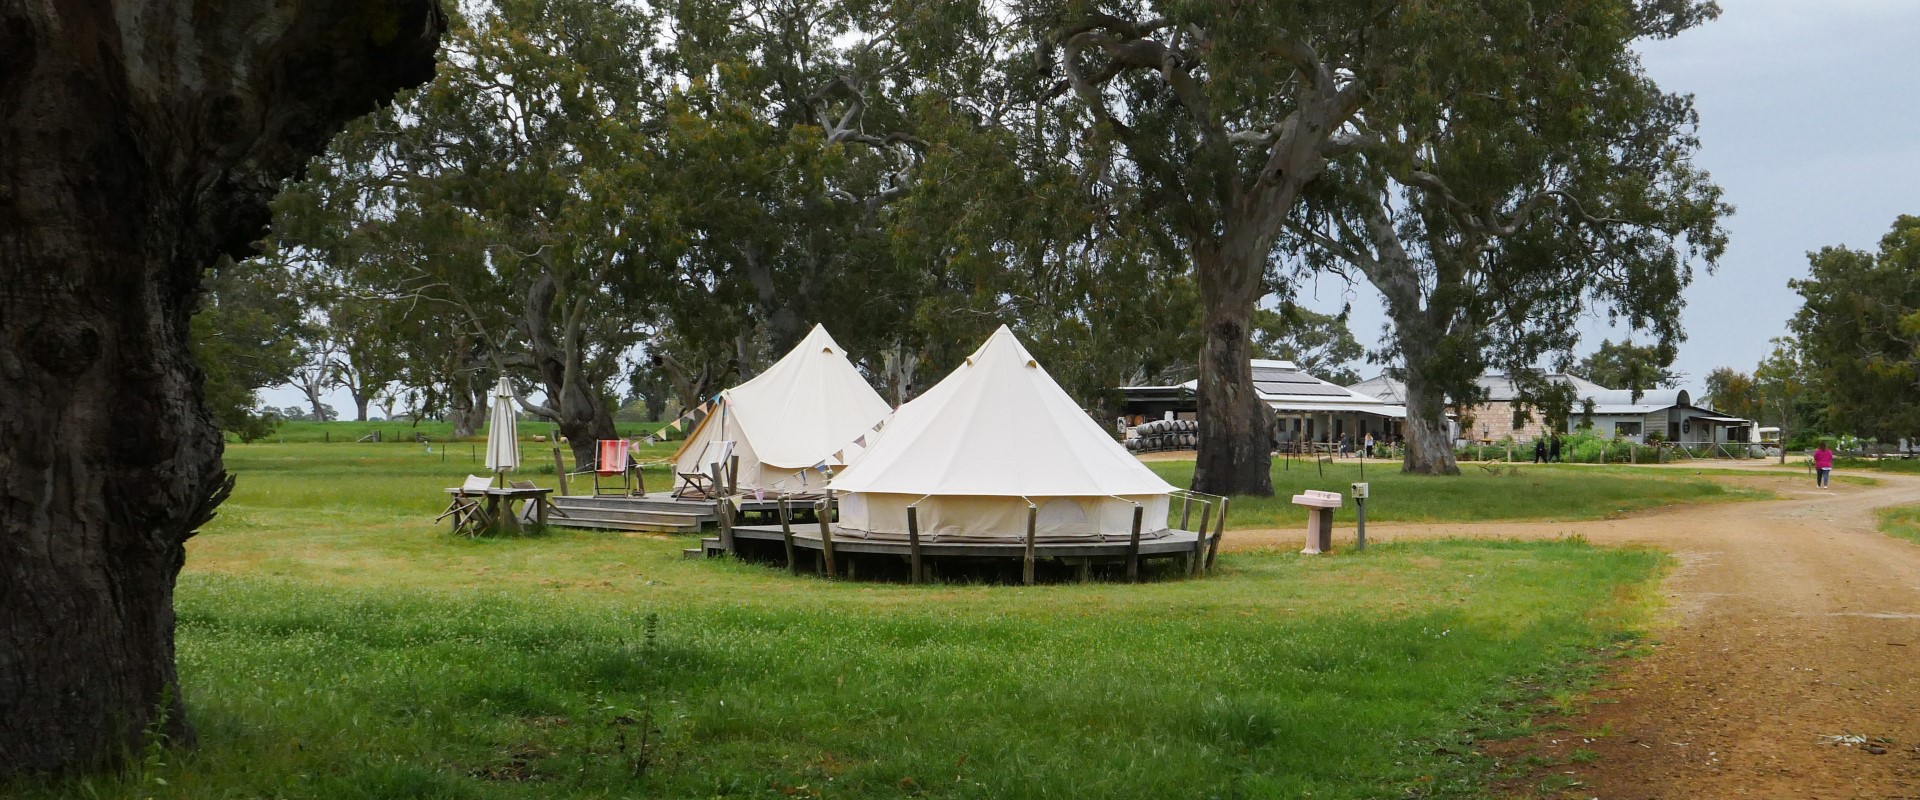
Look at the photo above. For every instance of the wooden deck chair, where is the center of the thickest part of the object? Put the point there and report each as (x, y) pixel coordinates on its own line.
(700, 479)
(468, 507)
(544, 500)
(614, 459)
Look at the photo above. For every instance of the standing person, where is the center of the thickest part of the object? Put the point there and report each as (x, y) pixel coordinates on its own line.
(1553, 450)
(1369, 444)
(1540, 450)
(1822, 464)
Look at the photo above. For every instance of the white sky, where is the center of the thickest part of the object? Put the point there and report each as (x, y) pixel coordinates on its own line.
(1810, 120)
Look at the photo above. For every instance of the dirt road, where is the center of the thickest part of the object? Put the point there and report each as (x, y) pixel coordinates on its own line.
(1788, 622)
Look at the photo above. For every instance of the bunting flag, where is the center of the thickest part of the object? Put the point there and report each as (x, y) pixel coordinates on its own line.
(686, 422)
(821, 467)
(759, 493)
(862, 441)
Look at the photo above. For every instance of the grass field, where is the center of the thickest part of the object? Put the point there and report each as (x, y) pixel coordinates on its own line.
(1544, 491)
(1902, 522)
(333, 644)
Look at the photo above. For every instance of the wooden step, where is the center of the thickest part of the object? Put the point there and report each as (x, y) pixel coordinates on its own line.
(626, 520)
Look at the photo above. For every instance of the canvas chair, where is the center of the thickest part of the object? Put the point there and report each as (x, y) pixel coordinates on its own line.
(468, 507)
(546, 501)
(615, 460)
(701, 479)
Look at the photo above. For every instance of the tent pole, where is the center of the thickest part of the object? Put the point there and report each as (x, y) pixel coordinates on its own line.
(913, 543)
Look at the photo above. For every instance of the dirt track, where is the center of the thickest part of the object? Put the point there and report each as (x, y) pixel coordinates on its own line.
(1787, 621)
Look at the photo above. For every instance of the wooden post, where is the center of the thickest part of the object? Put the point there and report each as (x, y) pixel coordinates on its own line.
(1186, 508)
(559, 468)
(786, 536)
(1083, 571)
(1219, 532)
(1133, 545)
(733, 475)
(826, 534)
(1033, 519)
(724, 511)
(913, 544)
(1200, 540)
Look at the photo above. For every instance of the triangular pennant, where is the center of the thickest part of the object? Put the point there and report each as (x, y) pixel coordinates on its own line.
(862, 441)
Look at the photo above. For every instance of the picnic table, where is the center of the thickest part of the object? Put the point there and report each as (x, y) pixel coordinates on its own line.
(502, 516)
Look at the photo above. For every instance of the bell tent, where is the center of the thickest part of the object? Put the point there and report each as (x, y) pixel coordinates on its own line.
(805, 410)
(978, 447)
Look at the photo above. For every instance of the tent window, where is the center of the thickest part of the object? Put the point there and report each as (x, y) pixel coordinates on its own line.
(1062, 510)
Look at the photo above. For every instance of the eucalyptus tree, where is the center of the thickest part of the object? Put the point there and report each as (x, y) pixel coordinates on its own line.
(135, 156)
(1634, 367)
(1320, 344)
(1506, 188)
(245, 338)
(1227, 115)
(508, 200)
(1858, 332)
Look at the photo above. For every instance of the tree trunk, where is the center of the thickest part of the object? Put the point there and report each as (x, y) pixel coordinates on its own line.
(360, 407)
(130, 160)
(1236, 429)
(1429, 448)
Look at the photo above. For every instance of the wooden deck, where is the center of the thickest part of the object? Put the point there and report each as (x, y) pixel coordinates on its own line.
(657, 513)
(853, 555)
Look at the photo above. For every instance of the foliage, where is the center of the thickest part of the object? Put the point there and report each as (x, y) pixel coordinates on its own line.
(1731, 391)
(1858, 331)
(244, 340)
(1320, 344)
(1497, 191)
(1635, 367)
(332, 643)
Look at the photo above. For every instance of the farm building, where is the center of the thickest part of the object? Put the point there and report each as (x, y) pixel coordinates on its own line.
(1493, 418)
(1670, 413)
(1306, 408)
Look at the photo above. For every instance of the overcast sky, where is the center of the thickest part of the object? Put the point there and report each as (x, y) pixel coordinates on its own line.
(1809, 119)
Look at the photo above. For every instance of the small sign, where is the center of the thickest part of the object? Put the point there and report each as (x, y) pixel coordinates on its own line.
(1359, 491)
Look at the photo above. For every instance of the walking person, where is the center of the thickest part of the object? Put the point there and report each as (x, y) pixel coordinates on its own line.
(1822, 464)
(1553, 450)
(1540, 450)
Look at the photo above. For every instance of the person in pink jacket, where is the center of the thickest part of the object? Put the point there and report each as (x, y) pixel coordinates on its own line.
(1822, 464)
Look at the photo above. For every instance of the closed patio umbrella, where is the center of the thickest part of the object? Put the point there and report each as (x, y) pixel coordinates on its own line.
(503, 439)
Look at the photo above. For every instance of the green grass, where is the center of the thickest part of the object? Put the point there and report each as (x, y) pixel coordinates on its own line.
(1902, 522)
(333, 644)
(1537, 492)
(1900, 465)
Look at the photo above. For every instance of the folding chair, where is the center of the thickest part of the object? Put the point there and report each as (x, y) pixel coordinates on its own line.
(543, 500)
(615, 458)
(468, 507)
(701, 478)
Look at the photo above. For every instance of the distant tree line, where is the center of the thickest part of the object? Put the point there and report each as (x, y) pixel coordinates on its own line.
(652, 201)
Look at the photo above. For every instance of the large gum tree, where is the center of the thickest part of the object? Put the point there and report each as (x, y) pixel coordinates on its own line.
(1505, 191)
(139, 143)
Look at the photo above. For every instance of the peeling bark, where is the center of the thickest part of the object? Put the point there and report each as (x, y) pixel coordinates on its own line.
(139, 142)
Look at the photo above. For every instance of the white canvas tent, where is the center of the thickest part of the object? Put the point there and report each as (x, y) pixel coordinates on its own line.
(806, 409)
(975, 449)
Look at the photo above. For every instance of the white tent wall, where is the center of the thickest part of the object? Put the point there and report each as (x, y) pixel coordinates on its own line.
(805, 409)
(967, 518)
(974, 447)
